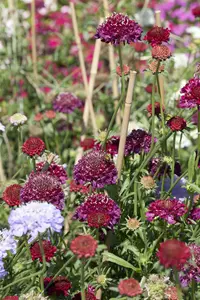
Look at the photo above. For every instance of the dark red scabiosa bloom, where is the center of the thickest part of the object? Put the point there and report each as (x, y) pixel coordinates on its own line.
(195, 214)
(53, 170)
(50, 114)
(59, 286)
(176, 123)
(99, 204)
(139, 46)
(49, 250)
(88, 296)
(87, 143)
(126, 70)
(129, 287)
(190, 94)
(43, 187)
(173, 254)
(119, 28)
(170, 210)
(138, 141)
(157, 163)
(196, 11)
(33, 146)
(95, 168)
(157, 35)
(66, 103)
(157, 109)
(112, 145)
(11, 298)
(161, 52)
(78, 188)
(149, 88)
(11, 195)
(171, 293)
(84, 246)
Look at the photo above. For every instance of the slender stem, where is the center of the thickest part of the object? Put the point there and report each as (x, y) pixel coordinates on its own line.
(43, 261)
(198, 141)
(153, 115)
(34, 164)
(179, 292)
(173, 157)
(193, 290)
(135, 199)
(82, 281)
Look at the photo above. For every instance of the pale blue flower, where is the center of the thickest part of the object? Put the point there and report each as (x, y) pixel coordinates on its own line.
(7, 243)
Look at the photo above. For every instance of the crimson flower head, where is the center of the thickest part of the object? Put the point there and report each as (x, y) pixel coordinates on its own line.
(157, 35)
(95, 168)
(161, 52)
(59, 286)
(157, 109)
(33, 146)
(170, 210)
(138, 141)
(126, 70)
(149, 88)
(11, 195)
(173, 254)
(99, 210)
(66, 103)
(78, 188)
(84, 246)
(139, 46)
(177, 123)
(196, 11)
(48, 248)
(190, 94)
(43, 187)
(87, 143)
(117, 29)
(11, 298)
(53, 170)
(129, 287)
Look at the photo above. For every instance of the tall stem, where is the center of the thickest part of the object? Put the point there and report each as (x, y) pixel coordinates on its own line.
(82, 281)
(44, 263)
(153, 115)
(198, 141)
(179, 292)
(33, 39)
(173, 157)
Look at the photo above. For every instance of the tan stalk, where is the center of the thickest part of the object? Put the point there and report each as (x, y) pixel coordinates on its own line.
(112, 65)
(125, 121)
(33, 40)
(160, 76)
(11, 4)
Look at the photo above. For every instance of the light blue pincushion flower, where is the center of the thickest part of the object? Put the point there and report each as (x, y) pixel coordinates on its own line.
(7, 243)
(35, 217)
(3, 272)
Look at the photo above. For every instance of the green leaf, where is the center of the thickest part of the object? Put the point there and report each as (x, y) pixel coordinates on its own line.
(134, 250)
(119, 261)
(195, 187)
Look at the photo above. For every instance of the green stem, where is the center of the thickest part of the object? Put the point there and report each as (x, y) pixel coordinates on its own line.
(198, 141)
(193, 289)
(153, 116)
(135, 199)
(82, 282)
(179, 291)
(43, 261)
(173, 157)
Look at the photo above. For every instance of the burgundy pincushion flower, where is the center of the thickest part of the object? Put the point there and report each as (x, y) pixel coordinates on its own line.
(66, 103)
(33, 146)
(11, 298)
(173, 253)
(59, 286)
(88, 296)
(43, 187)
(78, 188)
(157, 35)
(99, 203)
(170, 210)
(195, 214)
(161, 52)
(157, 109)
(87, 143)
(149, 88)
(191, 94)
(53, 170)
(129, 287)
(84, 246)
(137, 141)
(48, 248)
(157, 163)
(11, 195)
(139, 46)
(126, 70)
(98, 219)
(196, 11)
(112, 145)
(176, 123)
(95, 168)
(119, 28)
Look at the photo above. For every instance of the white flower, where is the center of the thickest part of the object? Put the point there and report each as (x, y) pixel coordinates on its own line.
(18, 119)
(194, 31)
(2, 127)
(180, 60)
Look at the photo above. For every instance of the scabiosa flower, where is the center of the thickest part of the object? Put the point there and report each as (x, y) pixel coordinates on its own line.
(161, 52)
(11, 298)
(38, 117)
(33, 146)
(84, 246)
(59, 286)
(43, 187)
(157, 108)
(147, 182)
(53, 170)
(149, 89)
(11, 195)
(132, 224)
(3, 272)
(196, 11)
(129, 287)
(99, 208)
(7, 243)
(66, 103)
(176, 123)
(89, 295)
(78, 188)
(119, 28)
(2, 127)
(153, 66)
(18, 119)
(126, 70)
(112, 145)
(139, 46)
(35, 217)
(191, 94)
(173, 253)
(195, 214)
(137, 141)
(157, 35)
(87, 143)
(171, 293)
(48, 248)
(50, 114)
(95, 168)
(170, 210)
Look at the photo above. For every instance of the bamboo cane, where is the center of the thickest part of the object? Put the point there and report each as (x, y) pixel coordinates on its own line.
(125, 122)
(112, 65)
(160, 76)
(33, 40)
